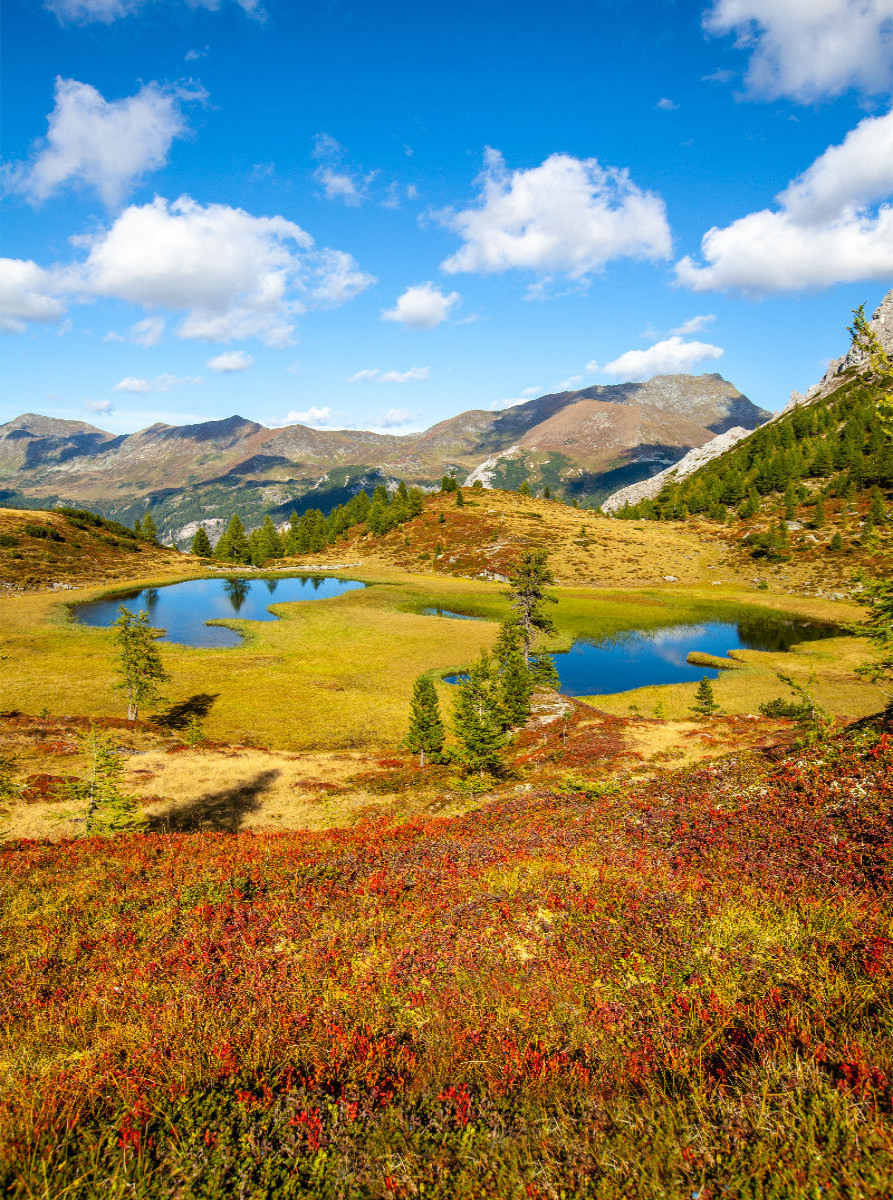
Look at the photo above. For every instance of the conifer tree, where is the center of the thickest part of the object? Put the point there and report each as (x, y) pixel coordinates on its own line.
(877, 514)
(477, 719)
(270, 541)
(705, 703)
(102, 807)
(818, 514)
(460, 499)
(524, 489)
(148, 529)
(836, 542)
(233, 546)
(426, 730)
(448, 484)
(201, 543)
(516, 681)
(547, 494)
(527, 584)
(139, 663)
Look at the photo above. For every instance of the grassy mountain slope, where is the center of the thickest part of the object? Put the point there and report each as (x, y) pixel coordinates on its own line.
(50, 549)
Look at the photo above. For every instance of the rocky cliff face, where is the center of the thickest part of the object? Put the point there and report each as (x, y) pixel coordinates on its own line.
(695, 459)
(855, 359)
(580, 443)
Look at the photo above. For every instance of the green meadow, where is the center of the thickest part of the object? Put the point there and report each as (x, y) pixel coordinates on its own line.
(337, 673)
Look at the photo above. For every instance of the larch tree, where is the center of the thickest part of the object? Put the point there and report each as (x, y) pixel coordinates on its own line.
(527, 593)
(139, 663)
(426, 729)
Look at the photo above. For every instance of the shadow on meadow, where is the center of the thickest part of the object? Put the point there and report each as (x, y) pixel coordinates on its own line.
(217, 812)
(179, 715)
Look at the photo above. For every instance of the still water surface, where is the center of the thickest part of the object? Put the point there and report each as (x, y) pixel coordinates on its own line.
(633, 659)
(182, 609)
(639, 659)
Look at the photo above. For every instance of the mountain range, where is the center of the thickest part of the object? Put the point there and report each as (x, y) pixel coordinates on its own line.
(582, 444)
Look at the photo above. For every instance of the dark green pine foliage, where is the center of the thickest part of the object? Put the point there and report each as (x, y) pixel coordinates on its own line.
(201, 543)
(233, 545)
(838, 442)
(516, 681)
(705, 702)
(524, 489)
(460, 499)
(426, 729)
(478, 721)
(148, 530)
(448, 484)
(547, 493)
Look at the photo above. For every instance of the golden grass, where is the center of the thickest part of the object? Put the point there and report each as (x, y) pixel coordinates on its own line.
(239, 788)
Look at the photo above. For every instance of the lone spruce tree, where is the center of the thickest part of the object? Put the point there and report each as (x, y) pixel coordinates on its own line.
(102, 808)
(426, 730)
(139, 663)
(527, 592)
(705, 702)
(477, 720)
(201, 543)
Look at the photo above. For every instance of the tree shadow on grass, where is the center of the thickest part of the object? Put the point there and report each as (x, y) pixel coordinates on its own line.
(179, 715)
(218, 812)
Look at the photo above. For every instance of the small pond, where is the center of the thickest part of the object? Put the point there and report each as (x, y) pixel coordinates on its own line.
(636, 659)
(182, 609)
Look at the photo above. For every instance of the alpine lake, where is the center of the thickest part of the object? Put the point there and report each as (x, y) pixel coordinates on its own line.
(600, 665)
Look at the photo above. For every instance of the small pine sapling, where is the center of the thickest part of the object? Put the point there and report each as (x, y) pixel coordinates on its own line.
(102, 808)
(705, 702)
(426, 730)
(201, 543)
(477, 720)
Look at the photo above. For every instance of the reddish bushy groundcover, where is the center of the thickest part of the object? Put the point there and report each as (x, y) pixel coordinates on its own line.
(683, 990)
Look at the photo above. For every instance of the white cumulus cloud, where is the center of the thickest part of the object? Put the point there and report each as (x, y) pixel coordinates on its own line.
(393, 419)
(231, 361)
(161, 383)
(568, 216)
(104, 144)
(316, 418)
(98, 406)
(810, 50)
(422, 307)
(828, 227)
(376, 375)
(233, 275)
(27, 294)
(672, 356)
(666, 104)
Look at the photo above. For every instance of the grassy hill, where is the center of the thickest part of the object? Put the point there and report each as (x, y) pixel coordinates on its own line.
(74, 548)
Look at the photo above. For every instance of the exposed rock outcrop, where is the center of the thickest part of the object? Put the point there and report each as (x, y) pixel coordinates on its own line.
(693, 461)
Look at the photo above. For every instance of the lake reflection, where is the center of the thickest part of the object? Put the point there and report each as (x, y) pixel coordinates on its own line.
(182, 609)
(639, 659)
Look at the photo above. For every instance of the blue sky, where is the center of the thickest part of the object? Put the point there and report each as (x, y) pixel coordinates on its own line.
(378, 215)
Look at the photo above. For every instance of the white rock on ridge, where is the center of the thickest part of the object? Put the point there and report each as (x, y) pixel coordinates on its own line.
(649, 488)
(881, 325)
(484, 471)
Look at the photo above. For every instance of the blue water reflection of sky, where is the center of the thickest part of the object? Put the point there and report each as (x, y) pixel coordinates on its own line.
(182, 609)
